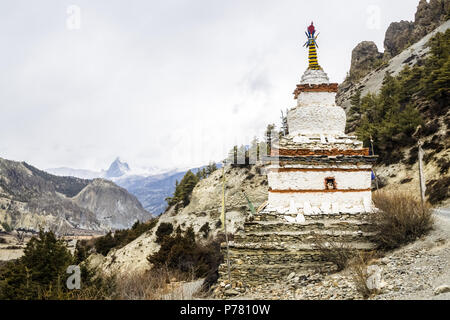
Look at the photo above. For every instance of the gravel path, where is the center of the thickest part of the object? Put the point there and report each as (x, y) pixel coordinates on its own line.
(415, 271)
(412, 272)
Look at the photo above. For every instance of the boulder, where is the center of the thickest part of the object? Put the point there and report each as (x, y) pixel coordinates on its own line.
(442, 289)
(364, 56)
(398, 36)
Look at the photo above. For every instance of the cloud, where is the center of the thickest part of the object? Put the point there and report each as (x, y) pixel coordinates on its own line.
(161, 83)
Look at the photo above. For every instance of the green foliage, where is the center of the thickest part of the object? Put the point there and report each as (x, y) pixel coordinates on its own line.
(68, 186)
(164, 229)
(435, 81)
(205, 229)
(438, 190)
(183, 190)
(391, 117)
(210, 168)
(181, 252)
(82, 250)
(355, 102)
(104, 244)
(120, 239)
(124, 237)
(389, 122)
(40, 273)
(6, 227)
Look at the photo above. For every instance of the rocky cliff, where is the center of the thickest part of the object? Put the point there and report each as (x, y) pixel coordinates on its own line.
(31, 198)
(365, 57)
(398, 37)
(428, 17)
(434, 131)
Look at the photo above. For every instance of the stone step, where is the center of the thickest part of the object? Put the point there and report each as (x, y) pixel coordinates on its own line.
(254, 257)
(272, 256)
(254, 274)
(268, 216)
(303, 236)
(332, 224)
(290, 246)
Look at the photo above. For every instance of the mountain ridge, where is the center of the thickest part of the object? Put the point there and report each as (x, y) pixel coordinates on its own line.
(31, 198)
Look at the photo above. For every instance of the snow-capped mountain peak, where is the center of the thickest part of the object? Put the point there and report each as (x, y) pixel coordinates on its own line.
(117, 169)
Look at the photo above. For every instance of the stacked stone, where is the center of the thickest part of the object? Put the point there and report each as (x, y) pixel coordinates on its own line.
(270, 248)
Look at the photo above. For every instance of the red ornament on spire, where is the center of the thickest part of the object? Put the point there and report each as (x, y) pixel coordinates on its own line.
(311, 29)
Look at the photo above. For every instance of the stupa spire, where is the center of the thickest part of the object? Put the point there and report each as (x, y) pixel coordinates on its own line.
(312, 44)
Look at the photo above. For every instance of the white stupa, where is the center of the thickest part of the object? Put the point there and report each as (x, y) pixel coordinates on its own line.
(317, 168)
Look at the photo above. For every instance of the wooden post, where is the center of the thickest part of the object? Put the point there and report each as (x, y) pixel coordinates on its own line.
(373, 153)
(421, 175)
(224, 221)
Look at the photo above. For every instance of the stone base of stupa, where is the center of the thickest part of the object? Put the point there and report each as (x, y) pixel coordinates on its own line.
(270, 248)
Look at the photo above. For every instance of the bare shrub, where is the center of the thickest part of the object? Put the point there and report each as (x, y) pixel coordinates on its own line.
(338, 253)
(161, 284)
(360, 275)
(400, 219)
(20, 236)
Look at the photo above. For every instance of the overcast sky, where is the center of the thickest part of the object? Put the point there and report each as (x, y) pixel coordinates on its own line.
(163, 83)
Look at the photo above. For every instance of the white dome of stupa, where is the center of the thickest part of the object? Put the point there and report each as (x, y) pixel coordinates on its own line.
(314, 77)
(316, 112)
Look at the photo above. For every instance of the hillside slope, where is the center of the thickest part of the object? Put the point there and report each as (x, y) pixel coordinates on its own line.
(152, 190)
(204, 207)
(114, 207)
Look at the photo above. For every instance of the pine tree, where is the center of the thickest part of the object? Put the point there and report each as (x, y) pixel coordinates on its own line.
(211, 168)
(183, 190)
(40, 273)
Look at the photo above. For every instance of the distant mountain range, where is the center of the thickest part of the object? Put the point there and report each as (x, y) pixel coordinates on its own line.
(151, 187)
(31, 198)
(117, 169)
(152, 191)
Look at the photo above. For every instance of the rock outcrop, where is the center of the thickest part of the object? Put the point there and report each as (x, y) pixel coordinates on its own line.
(372, 82)
(428, 17)
(399, 36)
(365, 57)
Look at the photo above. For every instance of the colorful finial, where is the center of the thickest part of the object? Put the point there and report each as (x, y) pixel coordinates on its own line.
(311, 43)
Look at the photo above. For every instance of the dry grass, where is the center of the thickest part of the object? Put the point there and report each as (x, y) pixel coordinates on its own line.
(338, 253)
(152, 285)
(159, 284)
(401, 219)
(360, 275)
